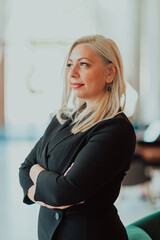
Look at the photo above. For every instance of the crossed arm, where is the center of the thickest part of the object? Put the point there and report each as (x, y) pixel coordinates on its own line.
(34, 172)
(106, 155)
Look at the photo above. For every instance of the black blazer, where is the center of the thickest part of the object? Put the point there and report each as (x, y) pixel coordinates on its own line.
(101, 156)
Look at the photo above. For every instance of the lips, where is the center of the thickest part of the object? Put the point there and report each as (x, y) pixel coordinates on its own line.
(77, 85)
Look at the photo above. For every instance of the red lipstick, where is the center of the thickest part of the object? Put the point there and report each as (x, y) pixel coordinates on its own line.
(77, 85)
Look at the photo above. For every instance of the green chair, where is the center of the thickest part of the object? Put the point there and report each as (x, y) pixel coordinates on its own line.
(147, 228)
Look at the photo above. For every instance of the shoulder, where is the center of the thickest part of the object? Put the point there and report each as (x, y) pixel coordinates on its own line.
(119, 120)
(115, 128)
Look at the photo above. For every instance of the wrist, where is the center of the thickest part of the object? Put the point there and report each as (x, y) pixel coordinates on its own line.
(35, 171)
(31, 193)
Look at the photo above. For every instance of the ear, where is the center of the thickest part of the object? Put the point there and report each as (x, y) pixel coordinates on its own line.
(111, 72)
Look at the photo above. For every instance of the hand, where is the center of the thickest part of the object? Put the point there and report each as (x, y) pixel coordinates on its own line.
(56, 207)
(31, 192)
(35, 171)
(68, 169)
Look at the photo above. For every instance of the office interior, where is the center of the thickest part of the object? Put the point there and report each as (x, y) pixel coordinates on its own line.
(35, 37)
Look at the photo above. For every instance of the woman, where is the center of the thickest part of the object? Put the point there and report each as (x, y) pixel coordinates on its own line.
(75, 170)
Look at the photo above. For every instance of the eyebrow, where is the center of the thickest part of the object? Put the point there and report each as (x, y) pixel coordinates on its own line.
(80, 59)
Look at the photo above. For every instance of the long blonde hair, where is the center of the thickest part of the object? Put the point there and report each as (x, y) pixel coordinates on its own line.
(110, 104)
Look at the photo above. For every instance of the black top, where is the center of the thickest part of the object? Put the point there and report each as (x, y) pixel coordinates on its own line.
(101, 156)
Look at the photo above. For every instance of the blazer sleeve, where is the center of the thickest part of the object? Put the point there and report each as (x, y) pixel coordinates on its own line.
(30, 160)
(24, 178)
(107, 154)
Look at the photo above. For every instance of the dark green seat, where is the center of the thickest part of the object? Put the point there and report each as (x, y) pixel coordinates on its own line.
(147, 228)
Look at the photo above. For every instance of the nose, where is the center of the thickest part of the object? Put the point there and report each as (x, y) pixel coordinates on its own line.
(74, 73)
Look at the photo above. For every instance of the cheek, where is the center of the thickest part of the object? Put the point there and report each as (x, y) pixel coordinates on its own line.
(96, 80)
(91, 77)
(68, 78)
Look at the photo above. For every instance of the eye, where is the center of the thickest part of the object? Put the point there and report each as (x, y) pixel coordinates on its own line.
(69, 65)
(84, 64)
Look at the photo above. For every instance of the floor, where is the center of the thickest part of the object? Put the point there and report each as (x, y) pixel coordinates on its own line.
(19, 221)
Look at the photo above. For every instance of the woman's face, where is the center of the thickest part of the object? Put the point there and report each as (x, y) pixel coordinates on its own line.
(86, 73)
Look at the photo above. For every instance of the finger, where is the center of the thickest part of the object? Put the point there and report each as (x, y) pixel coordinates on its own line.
(53, 207)
(80, 202)
(68, 169)
(41, 203)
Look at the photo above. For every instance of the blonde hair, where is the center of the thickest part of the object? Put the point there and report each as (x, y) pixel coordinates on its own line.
(110, 104)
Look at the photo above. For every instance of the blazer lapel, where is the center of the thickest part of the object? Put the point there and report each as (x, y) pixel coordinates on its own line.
(63, 133)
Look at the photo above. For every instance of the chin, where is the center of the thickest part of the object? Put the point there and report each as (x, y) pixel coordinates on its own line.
(80, 96)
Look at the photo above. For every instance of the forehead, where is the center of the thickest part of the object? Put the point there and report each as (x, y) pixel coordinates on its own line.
(83, 50)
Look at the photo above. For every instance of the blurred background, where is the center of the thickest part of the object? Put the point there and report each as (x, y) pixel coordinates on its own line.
(35, 36)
